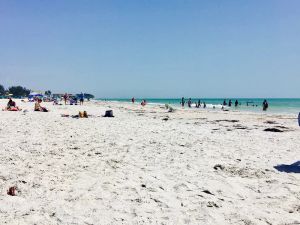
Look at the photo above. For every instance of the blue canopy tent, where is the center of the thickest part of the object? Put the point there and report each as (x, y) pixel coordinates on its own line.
(35, 95)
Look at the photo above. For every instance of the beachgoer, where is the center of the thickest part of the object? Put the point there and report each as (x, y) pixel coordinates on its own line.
(230, 103)
(199, 104)
(182, 102)
(11, 106)
(204, 105)
(65, 98)
(190, 103)
(38, 107)
(265, 105)
(85, 115)
(143, 103)
(236, 103)
(133, 100)
(81, 98)
(82, 115)
(11, 103)
(224, 102)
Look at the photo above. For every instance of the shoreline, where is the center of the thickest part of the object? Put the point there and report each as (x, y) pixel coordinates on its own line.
(178, 107)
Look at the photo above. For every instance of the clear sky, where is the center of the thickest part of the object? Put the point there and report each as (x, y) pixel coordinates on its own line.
(152, 48)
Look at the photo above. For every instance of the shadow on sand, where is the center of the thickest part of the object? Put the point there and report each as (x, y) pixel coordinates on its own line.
(293, 168)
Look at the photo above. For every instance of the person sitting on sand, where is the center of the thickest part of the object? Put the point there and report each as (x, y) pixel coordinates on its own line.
(38, 107)
(11, 106)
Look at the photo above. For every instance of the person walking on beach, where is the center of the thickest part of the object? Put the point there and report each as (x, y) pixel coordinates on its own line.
(182, 102)
(81, 98)
(133, 100)
(199, 104)
(65, 98)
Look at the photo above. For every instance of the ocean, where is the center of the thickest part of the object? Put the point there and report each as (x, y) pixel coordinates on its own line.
(276, 105)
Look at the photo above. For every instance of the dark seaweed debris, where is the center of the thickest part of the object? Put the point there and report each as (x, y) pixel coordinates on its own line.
(273, 130)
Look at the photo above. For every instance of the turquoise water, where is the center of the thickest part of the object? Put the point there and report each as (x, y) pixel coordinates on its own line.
(276, 105)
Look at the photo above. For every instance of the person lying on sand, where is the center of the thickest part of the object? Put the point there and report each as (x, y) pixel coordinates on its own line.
(80, 115)
(38, 107)
(11, 106)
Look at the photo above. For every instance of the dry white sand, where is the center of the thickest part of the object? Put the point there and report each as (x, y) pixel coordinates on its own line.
(140, 168)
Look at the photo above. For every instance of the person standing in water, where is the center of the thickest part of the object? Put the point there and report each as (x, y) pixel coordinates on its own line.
(182, 102)
(199, 104)
(230, 103)
(236, 103)
(133, 100)
(224, 102)
(265, 105)
(190, 103)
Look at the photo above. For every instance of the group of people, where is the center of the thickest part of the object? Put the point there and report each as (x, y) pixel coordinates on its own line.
(198, 104)
(73, 99)
(236, 103)
(143, 102)
(12, 106)
(229, 104)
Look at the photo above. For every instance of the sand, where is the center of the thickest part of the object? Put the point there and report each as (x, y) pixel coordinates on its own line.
(147, 166)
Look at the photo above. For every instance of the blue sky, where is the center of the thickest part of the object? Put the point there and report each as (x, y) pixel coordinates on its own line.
(152, 48)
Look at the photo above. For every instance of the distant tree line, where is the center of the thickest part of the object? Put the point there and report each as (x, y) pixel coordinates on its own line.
(87, 96)
(15, 91)
(19, 91)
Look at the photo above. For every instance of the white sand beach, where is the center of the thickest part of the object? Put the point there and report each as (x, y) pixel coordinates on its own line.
(147, 166)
